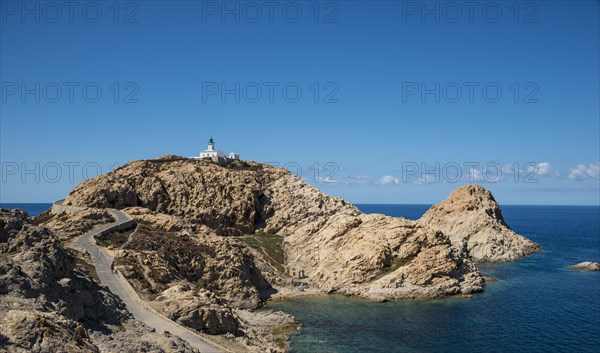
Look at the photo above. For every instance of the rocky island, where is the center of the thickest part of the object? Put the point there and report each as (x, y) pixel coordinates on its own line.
(212, 242)
(587, 266)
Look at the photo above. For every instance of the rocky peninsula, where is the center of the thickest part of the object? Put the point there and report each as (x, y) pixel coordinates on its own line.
(213, 242)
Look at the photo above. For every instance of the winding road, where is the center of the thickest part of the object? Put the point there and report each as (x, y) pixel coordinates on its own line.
(119, 286)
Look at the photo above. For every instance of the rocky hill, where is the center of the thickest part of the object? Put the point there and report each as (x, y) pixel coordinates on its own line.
(338, 248)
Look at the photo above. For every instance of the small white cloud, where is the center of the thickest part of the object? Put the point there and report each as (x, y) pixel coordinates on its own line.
(329, 180)
(428, 179)
(387, 180)
(582, 172)
(543, 169)
(473, 175)
(360, 179)
(320, 179)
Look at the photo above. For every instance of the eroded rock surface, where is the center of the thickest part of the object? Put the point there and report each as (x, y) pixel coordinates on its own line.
(66, 226)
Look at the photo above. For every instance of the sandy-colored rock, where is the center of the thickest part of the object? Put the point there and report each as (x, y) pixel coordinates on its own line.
(67, 226)
(266, 330)
(472, 219)
(198, 191)
(380, 257)
(35, 331)
(154, 261)
(587, 266)
(198, 280)
(196, 309)
(162, 221)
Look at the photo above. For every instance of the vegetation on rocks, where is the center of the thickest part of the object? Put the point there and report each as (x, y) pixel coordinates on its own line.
(270, 246)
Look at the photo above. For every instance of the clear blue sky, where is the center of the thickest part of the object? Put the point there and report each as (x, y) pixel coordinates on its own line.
(367, 59)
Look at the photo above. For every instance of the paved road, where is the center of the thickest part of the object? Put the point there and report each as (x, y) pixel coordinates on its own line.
(119, 286)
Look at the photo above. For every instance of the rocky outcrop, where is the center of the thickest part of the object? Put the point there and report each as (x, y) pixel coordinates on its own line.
(68, 225)
(380, 257)
(196, 309)
(35, 331)
(49, 303)
(472, 219)
(35, 265)
(163, 222)
(190, 277)
(587, 266)
(155, 261)
(198, 191)
(267, 329)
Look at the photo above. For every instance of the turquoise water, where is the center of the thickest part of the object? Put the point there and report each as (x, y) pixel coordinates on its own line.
(537, 305)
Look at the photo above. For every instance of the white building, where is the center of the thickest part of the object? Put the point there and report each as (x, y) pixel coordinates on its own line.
(216, 155)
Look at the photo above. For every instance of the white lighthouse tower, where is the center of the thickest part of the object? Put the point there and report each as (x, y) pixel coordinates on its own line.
(210, 151)
(216, 155)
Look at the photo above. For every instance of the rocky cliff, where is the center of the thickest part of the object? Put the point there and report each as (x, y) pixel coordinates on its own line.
(472, 219)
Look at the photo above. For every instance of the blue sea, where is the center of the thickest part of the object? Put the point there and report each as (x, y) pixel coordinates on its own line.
(536, 305)
(33, 209)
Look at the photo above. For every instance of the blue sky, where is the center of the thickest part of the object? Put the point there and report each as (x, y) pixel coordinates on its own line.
(400, 102)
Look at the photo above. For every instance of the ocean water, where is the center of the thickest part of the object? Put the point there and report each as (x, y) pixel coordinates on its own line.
(33, 209)
(537, 304)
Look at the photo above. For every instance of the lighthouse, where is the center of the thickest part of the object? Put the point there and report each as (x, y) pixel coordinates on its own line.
(217, 156)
